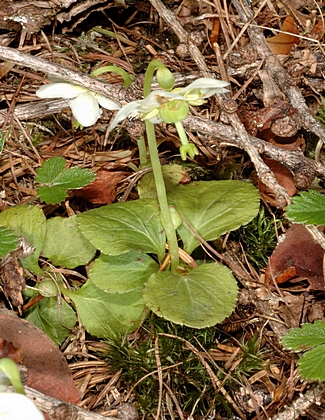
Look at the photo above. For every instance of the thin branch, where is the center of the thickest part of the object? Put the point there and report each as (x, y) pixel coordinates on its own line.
(114, 92)
(170, 18)
(58, 409)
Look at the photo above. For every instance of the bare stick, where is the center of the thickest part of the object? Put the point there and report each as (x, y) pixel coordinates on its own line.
(114, 92)
(58, 409)
(215, 133)
(170, 18)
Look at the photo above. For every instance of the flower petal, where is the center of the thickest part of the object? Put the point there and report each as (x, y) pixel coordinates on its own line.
(17, 406)
(154, 100)
(60, 90)
(106, 103)
(125, 112)
(207, 86)
(85, 109)
(157, 98)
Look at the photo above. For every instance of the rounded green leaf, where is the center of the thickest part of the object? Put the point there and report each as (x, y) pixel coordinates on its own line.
(28, 222)
(65, 245)
(122, 273)
(103, 313)
(202, 298)
(213, 208)
(121, 227)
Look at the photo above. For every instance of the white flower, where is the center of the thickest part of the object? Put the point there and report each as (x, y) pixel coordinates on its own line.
(149, 108)
(205, 87)
(84, 103)
(17, 407)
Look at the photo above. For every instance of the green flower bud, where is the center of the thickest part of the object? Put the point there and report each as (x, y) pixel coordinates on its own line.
(165, 78)
(174, 111)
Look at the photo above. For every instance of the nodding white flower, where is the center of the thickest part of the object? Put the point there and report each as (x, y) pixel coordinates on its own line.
(84, 103)
(147, 107)
(155, 105)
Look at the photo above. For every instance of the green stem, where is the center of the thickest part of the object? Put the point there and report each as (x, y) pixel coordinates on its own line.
(127, 78)
(142, 152)
(149, 76)
(181, 132)
(162, 197)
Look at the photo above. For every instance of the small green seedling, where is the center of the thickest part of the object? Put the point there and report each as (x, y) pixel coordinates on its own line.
(58, 180)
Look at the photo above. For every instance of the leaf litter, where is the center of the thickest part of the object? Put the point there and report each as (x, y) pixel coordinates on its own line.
(238, 368)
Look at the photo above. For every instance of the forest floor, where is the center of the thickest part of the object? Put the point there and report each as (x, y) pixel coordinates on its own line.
(267, 130)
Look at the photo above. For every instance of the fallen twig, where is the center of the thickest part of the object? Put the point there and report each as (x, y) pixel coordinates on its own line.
(58, 410)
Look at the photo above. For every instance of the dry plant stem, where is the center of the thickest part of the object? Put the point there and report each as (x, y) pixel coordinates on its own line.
(114, 92)
(59, 410)
(170, 18)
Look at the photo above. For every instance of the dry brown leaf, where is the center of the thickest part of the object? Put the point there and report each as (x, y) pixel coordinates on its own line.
(297, 256)
(48, 371)
(103, 189)
(282, 42)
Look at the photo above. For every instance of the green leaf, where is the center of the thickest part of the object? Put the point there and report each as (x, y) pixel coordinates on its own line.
(8, 241)
(121, 227)
(122, 273)
(53, 318)
(74, 178)
(311, 366)
(52, 195)
(309, 335)
(103, 313)
(28, 222)
(308, 208)
(202, 298)
(50, 170)
(173, 176)
(57, 180)
(213, 208)
(65, 245)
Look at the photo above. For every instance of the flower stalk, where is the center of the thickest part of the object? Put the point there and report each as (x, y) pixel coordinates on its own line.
(166, 218)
